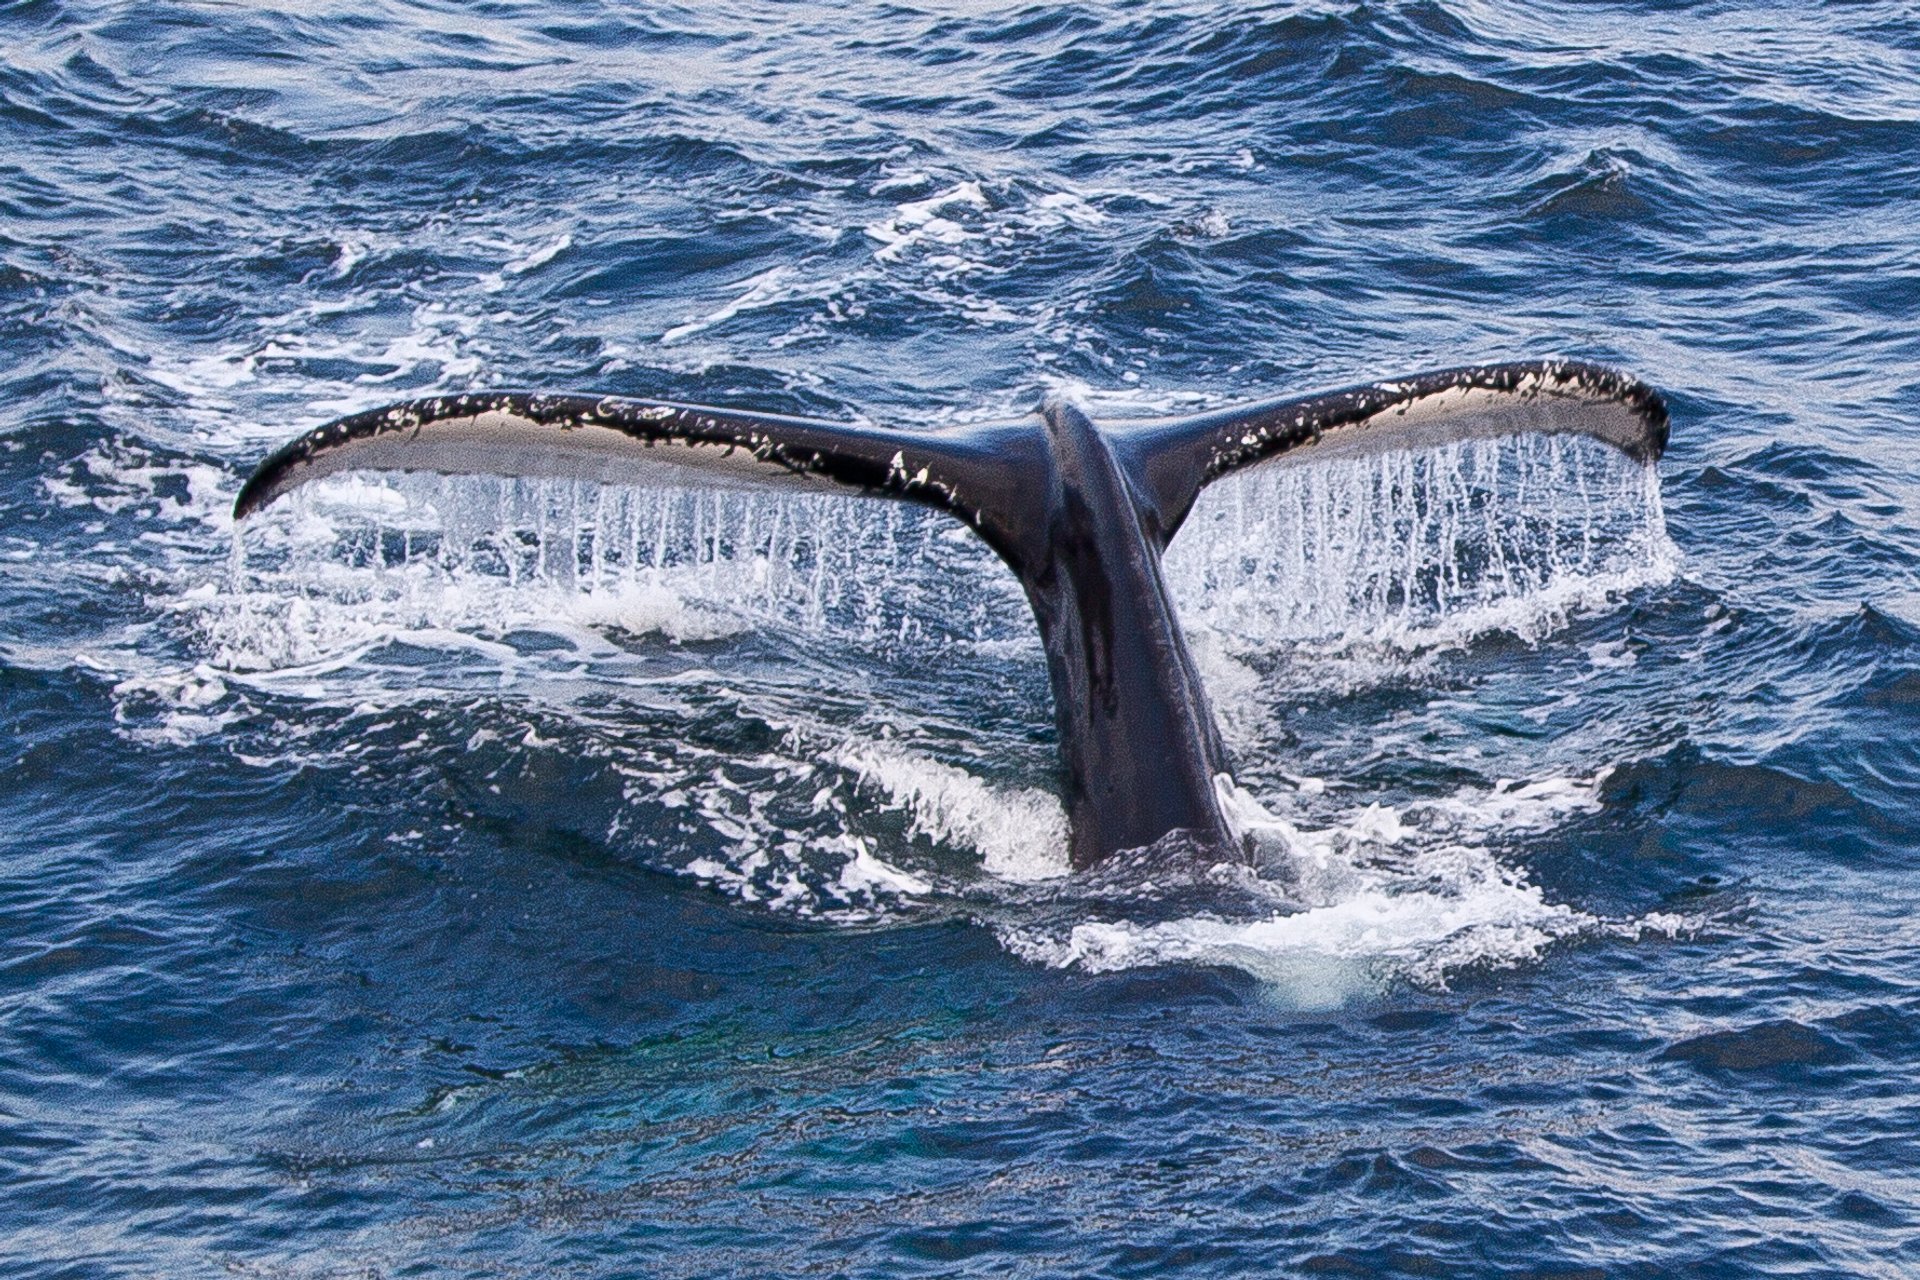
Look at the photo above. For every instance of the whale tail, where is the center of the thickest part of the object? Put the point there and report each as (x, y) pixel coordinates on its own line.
(1080, 514)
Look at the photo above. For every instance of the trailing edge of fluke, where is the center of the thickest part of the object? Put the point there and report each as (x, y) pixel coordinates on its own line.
(1080, 513)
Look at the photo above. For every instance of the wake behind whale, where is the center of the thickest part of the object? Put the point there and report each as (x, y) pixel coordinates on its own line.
(1081, 516)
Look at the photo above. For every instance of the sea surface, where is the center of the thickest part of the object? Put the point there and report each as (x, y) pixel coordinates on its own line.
(492, 878)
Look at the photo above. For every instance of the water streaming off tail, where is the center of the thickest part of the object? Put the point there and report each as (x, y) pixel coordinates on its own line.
(1418, 547)
(1408, 548)
(418, 551)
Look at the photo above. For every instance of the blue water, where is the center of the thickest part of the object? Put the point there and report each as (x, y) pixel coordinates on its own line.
(392, 901)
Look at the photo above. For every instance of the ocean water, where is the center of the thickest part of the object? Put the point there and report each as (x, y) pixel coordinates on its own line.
(510, 879)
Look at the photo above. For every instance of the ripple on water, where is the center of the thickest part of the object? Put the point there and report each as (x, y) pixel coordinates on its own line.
(462, 884)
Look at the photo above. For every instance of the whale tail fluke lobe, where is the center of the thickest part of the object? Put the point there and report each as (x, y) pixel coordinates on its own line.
(1079, 513)
(624, 440)
(1175, 458)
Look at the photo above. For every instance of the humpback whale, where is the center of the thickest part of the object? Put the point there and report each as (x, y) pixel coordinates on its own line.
(1080, 512)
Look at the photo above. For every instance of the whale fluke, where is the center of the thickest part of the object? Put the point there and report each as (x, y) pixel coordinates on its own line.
(1079, 513)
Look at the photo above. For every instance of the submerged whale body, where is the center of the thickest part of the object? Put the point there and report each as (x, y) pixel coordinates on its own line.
(1080, 513)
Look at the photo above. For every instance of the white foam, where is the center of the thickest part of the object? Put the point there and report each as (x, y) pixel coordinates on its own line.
(114, 478)
(1070, 209)
(174, 708)
(541, 256)
(917, 222)
(764, 290)
(911, 180)
(437, 339)
(1021, 833)
(1388, 895)
(864, 874)
(1212, 224)
(348, 254)
(1416, 935)
(1610, 654)
(783, 857)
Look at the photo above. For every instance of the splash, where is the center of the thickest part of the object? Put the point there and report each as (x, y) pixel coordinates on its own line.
(1413, 894)
(1021, 835)
(845, 824)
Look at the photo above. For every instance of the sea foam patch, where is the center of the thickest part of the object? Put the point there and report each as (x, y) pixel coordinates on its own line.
(1415, 894)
